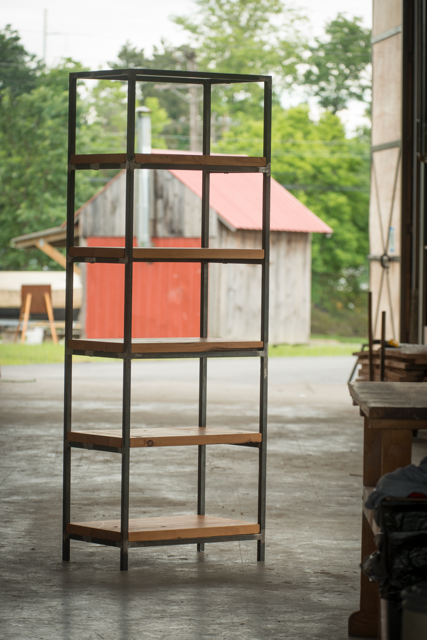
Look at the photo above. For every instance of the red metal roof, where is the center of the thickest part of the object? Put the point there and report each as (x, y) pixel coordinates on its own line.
(237, 198)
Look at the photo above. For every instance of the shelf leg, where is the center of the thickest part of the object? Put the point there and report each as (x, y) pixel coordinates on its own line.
(68, 359)
(66, 490)
(204, 313)
(124, 557)
(66, 503)
(201, 467)
(262, 460)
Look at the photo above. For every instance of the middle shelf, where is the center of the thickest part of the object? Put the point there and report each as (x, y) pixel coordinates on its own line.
(174, 254)
(155, 346)
(165, 437)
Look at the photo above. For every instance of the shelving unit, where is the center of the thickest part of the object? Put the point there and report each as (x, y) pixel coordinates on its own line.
(198, 528)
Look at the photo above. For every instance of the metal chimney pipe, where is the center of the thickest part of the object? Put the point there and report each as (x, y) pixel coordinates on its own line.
(142, 191)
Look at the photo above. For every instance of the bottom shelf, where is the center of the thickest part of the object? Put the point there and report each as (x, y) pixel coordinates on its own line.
(165, 528)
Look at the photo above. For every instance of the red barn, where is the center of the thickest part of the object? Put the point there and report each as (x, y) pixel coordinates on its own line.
(166, 296)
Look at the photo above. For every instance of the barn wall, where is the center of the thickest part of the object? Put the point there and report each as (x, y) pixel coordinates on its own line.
(175, 209)
(235, 290)
(104, 214)
(167, 303)
(166, 298)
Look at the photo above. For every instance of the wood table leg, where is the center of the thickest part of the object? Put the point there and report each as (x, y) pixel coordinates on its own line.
(396, 449)
(49, 309)
(26, 315)
(364, 623)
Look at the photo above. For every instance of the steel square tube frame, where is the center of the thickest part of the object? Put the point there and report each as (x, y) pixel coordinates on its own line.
(163, 543)
(206, 80)
(139, 74)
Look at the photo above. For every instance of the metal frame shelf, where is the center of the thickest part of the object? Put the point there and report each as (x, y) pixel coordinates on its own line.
(200, 528)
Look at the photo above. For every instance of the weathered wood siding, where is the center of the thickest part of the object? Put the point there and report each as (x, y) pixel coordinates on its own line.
(104, 214)
(235, 290)
(175, 209)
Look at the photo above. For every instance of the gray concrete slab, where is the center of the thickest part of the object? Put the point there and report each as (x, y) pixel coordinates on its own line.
(309, 583)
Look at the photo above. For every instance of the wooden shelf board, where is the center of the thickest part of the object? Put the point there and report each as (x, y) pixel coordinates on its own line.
(98, 158)
(165, 437)
(97, 252)
(186, 159)
(165, 345)
(170, 159)
(165, 528)
(172, 254)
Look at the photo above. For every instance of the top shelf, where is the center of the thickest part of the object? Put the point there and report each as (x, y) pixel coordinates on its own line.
(167, 254)
(221, 164)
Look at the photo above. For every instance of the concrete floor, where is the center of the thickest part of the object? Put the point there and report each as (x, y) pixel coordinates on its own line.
(309, 583)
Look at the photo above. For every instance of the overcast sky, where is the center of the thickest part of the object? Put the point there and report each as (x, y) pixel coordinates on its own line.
(92, 31)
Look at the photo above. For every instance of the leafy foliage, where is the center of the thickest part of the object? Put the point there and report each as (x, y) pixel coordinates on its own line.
(18, 68)
(338, 64)
(249, 37)
(33, 165)
(329, 173)
(315, 160)
(173, 100)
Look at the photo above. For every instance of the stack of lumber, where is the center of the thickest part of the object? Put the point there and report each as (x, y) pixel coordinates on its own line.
(407, 363)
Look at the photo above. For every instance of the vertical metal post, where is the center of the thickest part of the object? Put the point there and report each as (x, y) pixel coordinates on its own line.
(382, 361)
(370, 338)
(204, 294)
(127, 329)
(265, 283)
(68, 372)
(422, 204)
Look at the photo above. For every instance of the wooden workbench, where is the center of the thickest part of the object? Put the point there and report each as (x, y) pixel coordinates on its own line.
(391, 410)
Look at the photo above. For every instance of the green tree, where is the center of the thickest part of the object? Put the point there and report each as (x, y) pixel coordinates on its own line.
(171, 98)
(18, 68)
(33, 164)
(338, 64)
(247, 37)
(329, 173)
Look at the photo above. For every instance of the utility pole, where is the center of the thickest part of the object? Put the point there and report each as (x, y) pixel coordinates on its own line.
(44, 35)
(142, 192)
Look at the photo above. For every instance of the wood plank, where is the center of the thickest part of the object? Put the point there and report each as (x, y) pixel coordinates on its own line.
(396, 449)
(165, 528)
(369, 513)
(170, 159)
(165, 345)
(391, 400)
(99, 158)
(409, 425)
(165, 437)
(175, 253)
(371, 454)
(364, 623)
(97, 252)
(193, 159)
(179, 253)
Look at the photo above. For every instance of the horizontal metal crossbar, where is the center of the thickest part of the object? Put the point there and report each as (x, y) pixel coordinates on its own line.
(139, 74)
(95, 447)
(181, 167)
(157, 356)
(163, 543)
